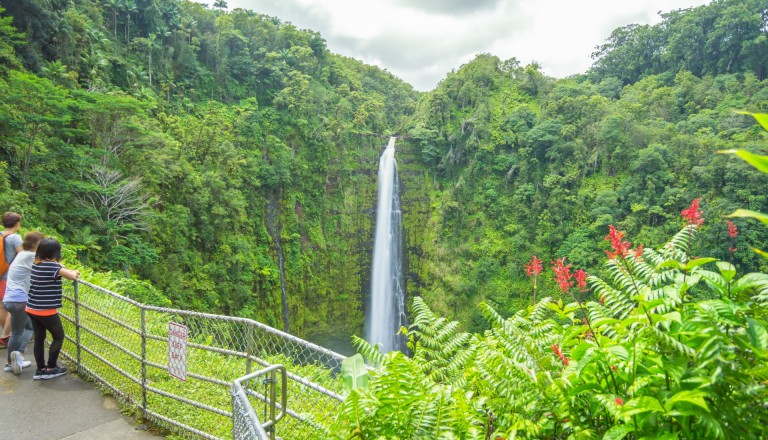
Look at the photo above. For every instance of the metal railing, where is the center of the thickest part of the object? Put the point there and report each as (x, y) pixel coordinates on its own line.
(124, 345)
(246, 424)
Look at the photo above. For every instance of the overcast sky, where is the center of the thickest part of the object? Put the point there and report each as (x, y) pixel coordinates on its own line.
(420, 41)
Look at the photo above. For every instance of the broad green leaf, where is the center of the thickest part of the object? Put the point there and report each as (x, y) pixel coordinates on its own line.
(670, 263)
(745, 213)
(727, 270)
(641, 405)
(618, 432)
(698, 262)
(757, 161)
(759, 252)
(761, 118)
(354, 373)
(672, 316)
(757, 334)
(694, 397)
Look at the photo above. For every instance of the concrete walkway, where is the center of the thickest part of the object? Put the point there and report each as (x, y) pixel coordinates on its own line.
(66, 407)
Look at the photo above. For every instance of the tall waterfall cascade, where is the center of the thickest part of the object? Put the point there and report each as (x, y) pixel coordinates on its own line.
(386, 310)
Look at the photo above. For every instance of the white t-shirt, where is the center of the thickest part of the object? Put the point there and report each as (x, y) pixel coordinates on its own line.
(19, 273)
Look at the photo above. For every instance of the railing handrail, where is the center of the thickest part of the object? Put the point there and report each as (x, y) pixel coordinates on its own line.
(249, 321)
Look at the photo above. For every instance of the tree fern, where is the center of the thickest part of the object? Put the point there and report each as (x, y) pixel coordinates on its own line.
(439, 348)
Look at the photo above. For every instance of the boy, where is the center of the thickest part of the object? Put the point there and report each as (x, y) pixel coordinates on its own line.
(12, 246)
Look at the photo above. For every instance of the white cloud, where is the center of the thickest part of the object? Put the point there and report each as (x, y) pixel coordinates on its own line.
(421, 42)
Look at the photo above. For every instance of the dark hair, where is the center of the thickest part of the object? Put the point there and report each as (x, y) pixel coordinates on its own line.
(48, 249)
(10, 219)
(32, 239)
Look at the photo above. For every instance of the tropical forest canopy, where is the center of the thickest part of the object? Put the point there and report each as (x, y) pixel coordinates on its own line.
(226, 161)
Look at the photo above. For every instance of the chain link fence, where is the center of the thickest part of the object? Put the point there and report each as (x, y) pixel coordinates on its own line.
(217, 368)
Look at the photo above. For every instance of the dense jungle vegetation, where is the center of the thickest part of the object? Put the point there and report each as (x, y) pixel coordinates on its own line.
(226, 160)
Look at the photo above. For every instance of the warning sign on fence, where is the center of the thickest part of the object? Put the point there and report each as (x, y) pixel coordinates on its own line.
(177, 350)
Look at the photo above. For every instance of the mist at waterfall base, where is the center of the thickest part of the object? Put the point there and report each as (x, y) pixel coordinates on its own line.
(386, 308)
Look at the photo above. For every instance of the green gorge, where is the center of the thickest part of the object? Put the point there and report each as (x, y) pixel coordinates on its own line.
(225, 161)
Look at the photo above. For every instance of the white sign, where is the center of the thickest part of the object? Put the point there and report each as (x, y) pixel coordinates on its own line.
(177, 350)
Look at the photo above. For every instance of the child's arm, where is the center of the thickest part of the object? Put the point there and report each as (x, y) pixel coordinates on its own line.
(70, 274)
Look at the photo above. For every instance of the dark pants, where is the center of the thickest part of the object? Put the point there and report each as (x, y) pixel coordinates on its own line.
(41, 324)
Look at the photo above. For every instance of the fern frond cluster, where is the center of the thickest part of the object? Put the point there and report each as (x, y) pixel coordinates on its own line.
(640, 360)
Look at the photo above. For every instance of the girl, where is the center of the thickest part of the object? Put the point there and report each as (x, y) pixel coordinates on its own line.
(44, 300)
(15, 302)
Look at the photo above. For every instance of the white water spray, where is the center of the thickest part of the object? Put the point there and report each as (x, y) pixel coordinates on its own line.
(386, 312)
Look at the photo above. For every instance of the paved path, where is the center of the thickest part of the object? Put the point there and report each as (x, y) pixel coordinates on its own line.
(66, 407)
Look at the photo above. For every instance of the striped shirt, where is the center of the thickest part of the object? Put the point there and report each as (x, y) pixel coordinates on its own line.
(45, 288)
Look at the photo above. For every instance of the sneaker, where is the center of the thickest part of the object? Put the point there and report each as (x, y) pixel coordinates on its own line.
(54, 372)
(7, 368)
(38, 374)
(18, 362)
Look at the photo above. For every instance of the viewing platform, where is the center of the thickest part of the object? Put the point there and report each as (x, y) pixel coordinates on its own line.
(66, 407)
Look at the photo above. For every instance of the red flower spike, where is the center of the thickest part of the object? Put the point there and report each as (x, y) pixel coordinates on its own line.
(733, 231)
(563, 274)
(620, 248)
(581, 280)
(692, 215)
(560, 354)
(620, 401)
(533, 268)
(638, 251)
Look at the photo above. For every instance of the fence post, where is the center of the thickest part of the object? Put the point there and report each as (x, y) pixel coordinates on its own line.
(272, 402)
(144, 360)
(77, 323)
(248, 347)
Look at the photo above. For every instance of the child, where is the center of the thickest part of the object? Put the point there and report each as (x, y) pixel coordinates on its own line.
(44, 300)
(11, 246)
(15, 302)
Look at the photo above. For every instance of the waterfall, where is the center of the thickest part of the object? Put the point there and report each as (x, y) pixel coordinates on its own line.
(386, 310)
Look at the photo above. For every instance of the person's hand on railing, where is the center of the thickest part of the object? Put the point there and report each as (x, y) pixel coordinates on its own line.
(71, 274)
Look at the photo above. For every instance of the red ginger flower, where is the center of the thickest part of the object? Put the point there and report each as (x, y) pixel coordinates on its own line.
(733, 231)
(620, 248)
(619, 401)
(563, 274)
(581, 280)
(559, 353)
(692, 214)
(638, 251)
(534, 267)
